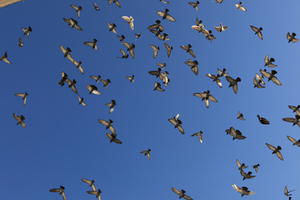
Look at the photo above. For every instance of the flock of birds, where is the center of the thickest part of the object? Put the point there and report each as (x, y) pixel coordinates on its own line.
(158, 30)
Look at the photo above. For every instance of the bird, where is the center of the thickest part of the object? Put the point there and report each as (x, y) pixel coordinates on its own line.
(240, 6)
(221, 28)
(181, 193)
(97, 193)
(294, 141)
(219, 1)
(240, 165)
(235, 133)
(111, 105)
(233, 83)
(64, 78)
(291, 37)
(108, 124)
(78, 65)
(256, 167)
(258, 81)
(295, 109)
(215, 78)
(73, 23)
(199, 135)
(113, 138)
(257, 31)
(156, 26)
(294, 121)
(129, 20)
(5, 59)
(93, 89)
(124, 54)
(161, 65)
(66, 51)
(27, 30)
(130, 48)
(112, 28)
(146, 153)
(23, 96)
(169, 49)
(116, 2)
(81, 101)
(60, 191)
(287, 192)
(96, 7)
(263, 120)
(275, 150)
(271, 76)
(222, 72)
(193, 64)
(240, 116)
(195, 4)
(121, 37)
(165, 15)
(91, 183)
(72, 85)
(188, 48)
(97, 78)
(20, 42)
(77, 9)
(131, 78)
(177, 123)
(105, 82)
(157, 87)
(242, 190)
(155, 50)
(269, 62)
(92, 44)
(206, 97)
(137, 35)
(164, 1)
(20, 120)
(247, 175)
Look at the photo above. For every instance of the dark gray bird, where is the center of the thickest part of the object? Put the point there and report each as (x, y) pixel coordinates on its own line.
(256, 167)
(206, 97)
(156, 26)
(105, 82)
(131, 78)
(275, 150)
(97, 78)
(181, 193)
(177, 123)
(64, 78)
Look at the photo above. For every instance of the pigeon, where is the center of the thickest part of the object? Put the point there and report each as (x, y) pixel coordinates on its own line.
(116, 2)
(235, 133)
(256, 167)
(188, 48)
(269, 62)
(60, 191)
(222, 72)
(240, 6)
(208, 34)
(97, 78)
(64, 78)
(77, 9)
(20, 120)
(169, 49)
(294, 141)
(112, 28)
(221, 28)
(258, 81)
(215, 78)
(72, 85)
(193, 64)
(291, 37)
(92, 44)
(66, 51)
(97, 193)
(242, 190)
(27, 30)
(111, 105)
(5, 59)
(129, 20)
(240, 165)
(91, 183)
(121, 37)
(181, 193)
(194, 4)
(93, 89)
(240, 116)
(96, 7)
(113, 138)
(130, 48)
(78, 65)
(156, 26)
(257, 31)
(246, 175)
(157, 87)
(137, 35)
(199, 135)
(155, 50)
(130, 78)
(72, 23)
(295, 121)
(177, 123)
(81, 101)
(233, 83)
(295, 109)
(263, 120)
(206, 97)
(124, 54)
(287, 192)
(146, 153)
(23, 96)
(108, 124)
(165, 15)
(20, 42)
(105, 82)
(275, 150)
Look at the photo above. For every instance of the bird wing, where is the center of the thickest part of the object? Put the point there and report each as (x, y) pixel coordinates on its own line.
(170, 18)
(276, 81)
(271, 147)
(101, 121)
(279, 155)
(293, 140)
(176, 191)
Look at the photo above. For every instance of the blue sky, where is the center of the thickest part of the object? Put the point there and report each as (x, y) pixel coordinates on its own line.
(63, 142)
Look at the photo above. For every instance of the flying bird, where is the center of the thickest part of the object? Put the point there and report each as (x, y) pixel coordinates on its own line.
(73, 23)
(233, 83)
(5, 59)
(188, 48)
(129, 20)
(177, 123)
(81, 101)
(287, 192)
(157, 87)
(240, 6)
(130, 48)
(93, 89)
(91, 183)
(271, 76)
(96, 7)
(146, 153)
(155, 50)
(195, 4)
(131, 78)
(20, 42)
(60, 191)
(240, 165)
(275, 150)
(247, 175)
(257, 31)
(108, 124)
(206, 97)
(181, 193)
(235, 133)
(27, 30)
(258, 81)
(113, 138)
(269, 62)
(165, 15)
(20, 120)
(169, 49)
(112, 28)
(199, 135)
(215, 78)
(77, 9)
(193, 64)
(294, 121)
(240, 116)
(242, 190)
(294, 141)
(263, 120)
(295, 109)
(221, 28)
(92, 44)
(116, 2)
(111, 105)
(256, 167)
(291, 37)
(23, 96)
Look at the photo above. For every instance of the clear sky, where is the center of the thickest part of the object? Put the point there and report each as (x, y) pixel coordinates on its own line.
(63, 142)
